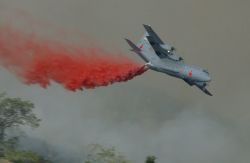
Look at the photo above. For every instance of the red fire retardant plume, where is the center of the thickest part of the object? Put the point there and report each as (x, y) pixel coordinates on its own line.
(39, 61)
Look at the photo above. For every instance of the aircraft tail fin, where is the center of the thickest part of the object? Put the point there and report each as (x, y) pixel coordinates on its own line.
(143, 43)
(136, 49)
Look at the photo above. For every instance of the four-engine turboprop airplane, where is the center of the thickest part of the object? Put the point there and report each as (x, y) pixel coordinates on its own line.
(162, 57)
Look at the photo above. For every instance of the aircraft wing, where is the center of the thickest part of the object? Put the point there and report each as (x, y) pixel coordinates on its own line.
(161, 49)
(160, 52)
(204, 89)
(152, 33)
(201, 86)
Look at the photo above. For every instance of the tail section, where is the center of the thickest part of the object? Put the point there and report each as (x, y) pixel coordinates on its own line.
(143, 43)
(144, 49)
(136, 49)
(133, 46)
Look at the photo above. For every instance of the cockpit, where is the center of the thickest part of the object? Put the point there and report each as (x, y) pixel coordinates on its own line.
(205, 71)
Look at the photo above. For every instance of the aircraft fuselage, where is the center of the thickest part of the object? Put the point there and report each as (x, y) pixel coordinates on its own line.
(162, 57)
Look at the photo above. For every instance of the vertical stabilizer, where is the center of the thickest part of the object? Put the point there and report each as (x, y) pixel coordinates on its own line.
(143, 43)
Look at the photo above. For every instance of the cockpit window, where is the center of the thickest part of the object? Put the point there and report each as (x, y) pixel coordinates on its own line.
(206, 71)
(172, 48)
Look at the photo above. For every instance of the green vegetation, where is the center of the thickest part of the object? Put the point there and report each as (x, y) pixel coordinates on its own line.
(17, 156)
(150, 159)
(100, 154)
(15, 112)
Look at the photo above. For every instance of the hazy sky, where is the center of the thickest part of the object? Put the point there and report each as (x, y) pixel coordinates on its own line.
(153, 113)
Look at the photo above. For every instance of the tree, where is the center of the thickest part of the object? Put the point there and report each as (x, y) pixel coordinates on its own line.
(100, 154)
(17, 156)
(15, 112)
(150, 159)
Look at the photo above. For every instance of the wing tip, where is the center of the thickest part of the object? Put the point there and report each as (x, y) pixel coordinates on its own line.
(146, 26)
(126, 39)
(208, 93)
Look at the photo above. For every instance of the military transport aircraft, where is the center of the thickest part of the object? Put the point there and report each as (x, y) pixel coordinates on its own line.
(162, 57)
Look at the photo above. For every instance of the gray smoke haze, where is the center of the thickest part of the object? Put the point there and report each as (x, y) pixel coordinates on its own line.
(152, 114)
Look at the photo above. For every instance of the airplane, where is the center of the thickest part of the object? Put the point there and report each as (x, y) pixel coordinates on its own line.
(162, 57)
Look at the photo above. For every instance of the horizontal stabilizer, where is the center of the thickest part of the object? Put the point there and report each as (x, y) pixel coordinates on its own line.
(133, 46)
(136, 49)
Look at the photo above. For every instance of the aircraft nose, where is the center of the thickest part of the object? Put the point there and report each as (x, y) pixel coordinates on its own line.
(207, 78)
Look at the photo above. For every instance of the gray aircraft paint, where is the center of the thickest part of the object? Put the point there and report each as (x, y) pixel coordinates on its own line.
(162, 57)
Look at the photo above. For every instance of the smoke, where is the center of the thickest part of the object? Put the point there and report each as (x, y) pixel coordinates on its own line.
(135, 126)
(39, 61)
